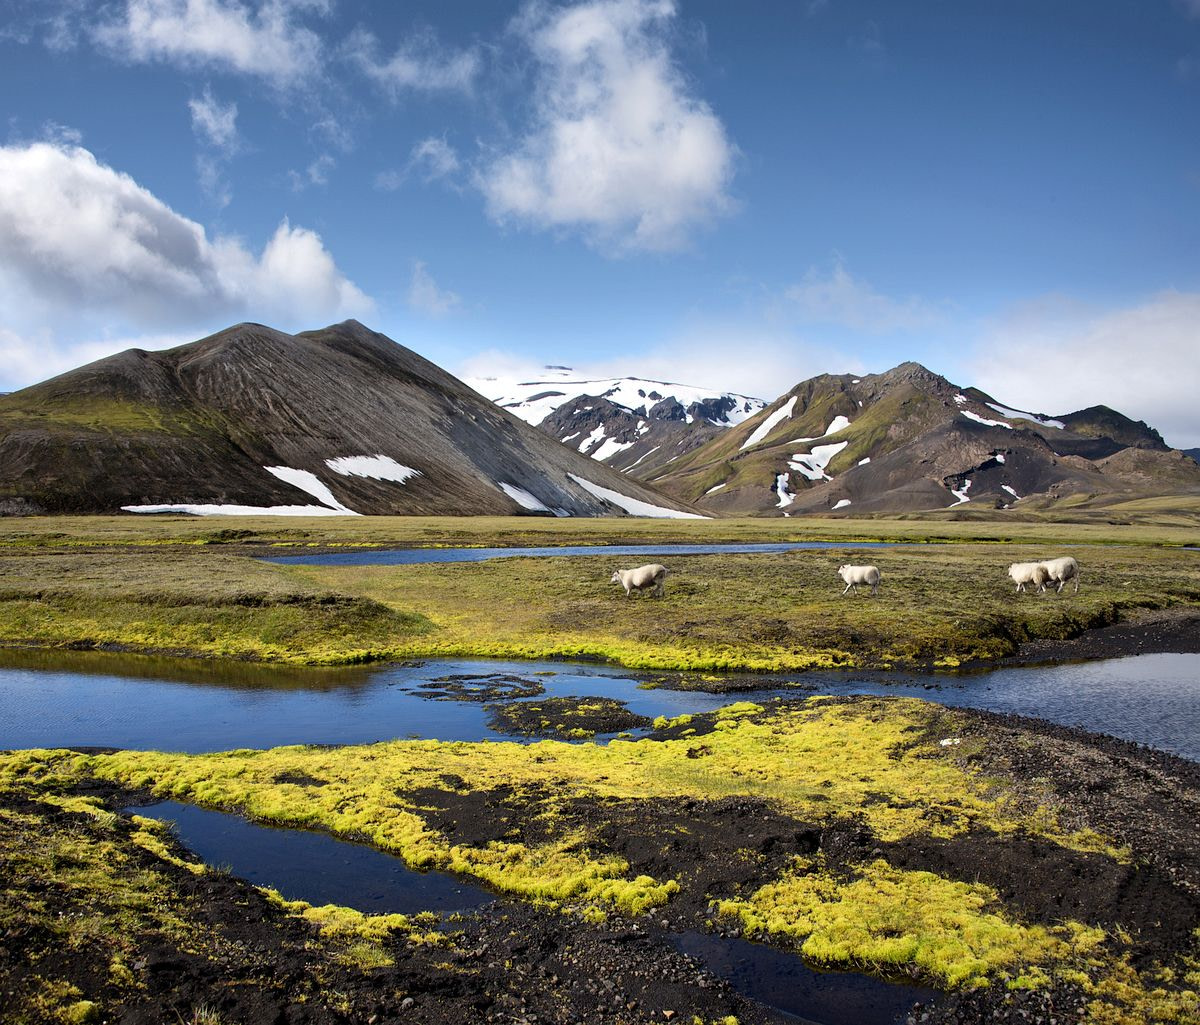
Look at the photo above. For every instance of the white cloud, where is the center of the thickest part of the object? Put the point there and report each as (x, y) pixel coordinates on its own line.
(317, 173)
(79, 239)
(420, 64)
(425, 296)
(619, 148)
(214, 122)
(1141, 360)
(838, 297)
(264, 40)
(28, 359)
(432, 159)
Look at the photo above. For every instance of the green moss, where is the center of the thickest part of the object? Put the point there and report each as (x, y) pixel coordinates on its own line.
(894, 920)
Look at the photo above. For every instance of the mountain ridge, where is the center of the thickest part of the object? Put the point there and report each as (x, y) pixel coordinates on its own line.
(908, 439)
(209, 423)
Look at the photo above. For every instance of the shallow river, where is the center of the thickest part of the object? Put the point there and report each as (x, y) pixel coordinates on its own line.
(52, 699)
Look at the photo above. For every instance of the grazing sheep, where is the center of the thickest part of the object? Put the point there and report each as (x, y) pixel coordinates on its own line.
(1059, 571)
(641, 579)
(1024, 573)
(855, 575)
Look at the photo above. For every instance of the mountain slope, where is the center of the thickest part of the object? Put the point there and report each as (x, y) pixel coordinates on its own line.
(322, 422)
(908, 439)
(629, 423)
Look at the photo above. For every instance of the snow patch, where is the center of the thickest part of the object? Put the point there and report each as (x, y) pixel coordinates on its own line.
(841, 503)
(812, 465)
(644, 455)
(242, 510)
(632, 505)
(960, 399)
(523, 498)
(374, 467)
(770, 423)
(309, 483)
(1011, 491)
(838, 423)
(610, 448)
(781, 489)
(998, 456)
(857, 380)
(962, 495)
(864, 461)
(711, 491)
(984, 420)
(594, 438)
(1017, 414)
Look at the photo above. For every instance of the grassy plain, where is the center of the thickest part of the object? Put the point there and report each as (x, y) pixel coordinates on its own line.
(188, 586)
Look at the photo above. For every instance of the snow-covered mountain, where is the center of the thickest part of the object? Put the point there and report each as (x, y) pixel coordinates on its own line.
(629, 423)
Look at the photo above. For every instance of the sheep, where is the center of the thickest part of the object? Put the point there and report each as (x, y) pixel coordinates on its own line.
(641, 579)
(1059, 571)
(1023, 573)
(855, 575)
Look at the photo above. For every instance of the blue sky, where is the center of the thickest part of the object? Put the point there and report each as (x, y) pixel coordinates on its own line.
(733, 195)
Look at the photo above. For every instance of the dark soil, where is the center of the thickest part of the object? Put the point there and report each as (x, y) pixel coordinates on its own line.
(1173, 630)
(564, 717)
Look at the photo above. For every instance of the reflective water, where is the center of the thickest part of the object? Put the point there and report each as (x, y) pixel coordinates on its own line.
(52, 699)
(410, 556)
(783, 981)
(314, 867)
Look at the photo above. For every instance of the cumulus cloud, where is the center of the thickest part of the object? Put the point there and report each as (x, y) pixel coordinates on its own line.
(41, 354)
(425, 296)
(619, 147)
(265, 40)
(835, 296)
(1055, 357)
(420, 64)
(79, 236)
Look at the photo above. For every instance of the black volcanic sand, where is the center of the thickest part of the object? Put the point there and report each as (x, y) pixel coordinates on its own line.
(515, 962)
(479, 687)
(564, 717)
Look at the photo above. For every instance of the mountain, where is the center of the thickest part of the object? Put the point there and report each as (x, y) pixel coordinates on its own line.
(1194, 453)
(319, 423)
(629, 423)
(908, 439)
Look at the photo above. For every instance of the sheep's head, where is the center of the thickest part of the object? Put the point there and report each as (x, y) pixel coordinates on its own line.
(616, 577)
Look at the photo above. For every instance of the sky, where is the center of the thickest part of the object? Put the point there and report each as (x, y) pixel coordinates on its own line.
(738, 196)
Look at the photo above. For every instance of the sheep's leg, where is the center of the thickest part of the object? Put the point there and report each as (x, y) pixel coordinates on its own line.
(847, 591)
(1076, 583)
(1061, 585)
(875, 590)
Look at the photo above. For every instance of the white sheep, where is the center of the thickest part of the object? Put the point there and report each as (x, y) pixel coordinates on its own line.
(855, 575)
(1033, 573)
(1059, 571)
(641, 579)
